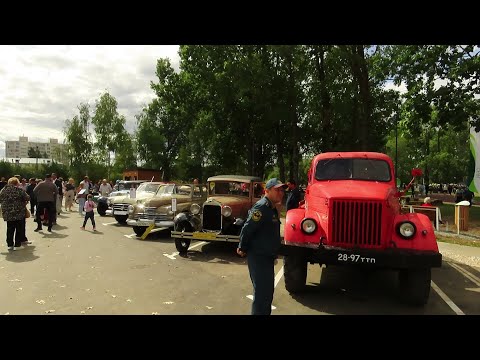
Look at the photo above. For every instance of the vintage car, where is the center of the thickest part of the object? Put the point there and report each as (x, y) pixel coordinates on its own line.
(222, 215)
(351, 216)
(158, 210)
(121, 188)
(120, 204)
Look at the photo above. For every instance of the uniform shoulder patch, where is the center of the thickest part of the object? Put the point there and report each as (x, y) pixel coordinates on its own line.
(256, 215)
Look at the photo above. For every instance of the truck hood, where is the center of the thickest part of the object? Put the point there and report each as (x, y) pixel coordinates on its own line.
(352, 189)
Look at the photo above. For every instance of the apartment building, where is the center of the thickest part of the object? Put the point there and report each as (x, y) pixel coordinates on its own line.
(51, 149)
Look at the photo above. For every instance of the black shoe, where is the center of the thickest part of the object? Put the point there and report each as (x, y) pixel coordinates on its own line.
(49, 229)
(38, 229)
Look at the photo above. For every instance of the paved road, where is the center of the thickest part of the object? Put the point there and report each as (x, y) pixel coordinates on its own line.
(71, 271)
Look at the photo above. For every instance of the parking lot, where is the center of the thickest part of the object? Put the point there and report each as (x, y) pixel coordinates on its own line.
(111, 271)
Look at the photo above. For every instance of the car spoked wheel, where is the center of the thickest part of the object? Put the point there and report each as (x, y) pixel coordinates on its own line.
(182, 244)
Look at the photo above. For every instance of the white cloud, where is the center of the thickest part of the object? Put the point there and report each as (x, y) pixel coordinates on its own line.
(42, 86)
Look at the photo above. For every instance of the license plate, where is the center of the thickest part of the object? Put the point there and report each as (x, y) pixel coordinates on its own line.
(203, 235)
(144, 223)
(116, 212)
(355, 258)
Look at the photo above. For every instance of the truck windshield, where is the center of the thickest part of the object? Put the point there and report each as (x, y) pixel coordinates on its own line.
(353, 169)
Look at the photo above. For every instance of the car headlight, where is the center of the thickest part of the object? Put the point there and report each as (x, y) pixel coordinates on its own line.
(406, 229)
(226, 211)
(309, 226)
(195, 209)
(130, 209)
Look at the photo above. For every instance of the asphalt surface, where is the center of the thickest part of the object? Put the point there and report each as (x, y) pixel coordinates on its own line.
(111, 271)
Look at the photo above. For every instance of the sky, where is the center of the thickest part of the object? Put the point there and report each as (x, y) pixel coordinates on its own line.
(42, 86)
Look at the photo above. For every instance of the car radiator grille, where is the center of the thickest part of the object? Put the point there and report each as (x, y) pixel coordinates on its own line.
(357, 223)
(150, 214)
(120, 207)
(212, 217)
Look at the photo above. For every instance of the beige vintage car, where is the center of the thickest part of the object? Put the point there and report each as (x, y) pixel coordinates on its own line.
(221, 218)
(143, 192)
(169, 201)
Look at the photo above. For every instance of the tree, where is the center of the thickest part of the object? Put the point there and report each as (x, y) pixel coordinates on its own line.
(109, 128)
(34, 152)
(77, 140)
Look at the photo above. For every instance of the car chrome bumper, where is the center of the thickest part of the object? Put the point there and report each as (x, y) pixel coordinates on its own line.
(204, 236)
(162, 224)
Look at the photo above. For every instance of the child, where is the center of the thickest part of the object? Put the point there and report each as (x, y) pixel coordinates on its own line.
(89, 207)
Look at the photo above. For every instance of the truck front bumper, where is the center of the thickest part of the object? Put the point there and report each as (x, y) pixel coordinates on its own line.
(385, 258)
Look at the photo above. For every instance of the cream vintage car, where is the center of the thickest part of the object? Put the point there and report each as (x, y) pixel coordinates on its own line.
(143, 192)
(230, 197)
(169, 201)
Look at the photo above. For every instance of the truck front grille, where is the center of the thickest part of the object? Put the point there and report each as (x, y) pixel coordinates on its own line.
(356, 223)
(212, 217)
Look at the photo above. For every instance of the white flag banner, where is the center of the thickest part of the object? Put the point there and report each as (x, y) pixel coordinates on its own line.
(475, 149)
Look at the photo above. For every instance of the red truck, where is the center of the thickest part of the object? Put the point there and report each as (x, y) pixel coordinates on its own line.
(352, 216)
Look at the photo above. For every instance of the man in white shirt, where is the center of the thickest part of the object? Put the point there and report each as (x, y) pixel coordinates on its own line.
(105, 188)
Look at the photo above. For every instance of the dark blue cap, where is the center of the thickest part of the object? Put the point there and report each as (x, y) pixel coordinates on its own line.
(274, 182)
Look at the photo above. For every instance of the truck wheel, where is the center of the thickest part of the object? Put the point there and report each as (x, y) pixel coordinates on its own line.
(415, 286)
(102, 208)
(295, 273)
(122, 219)
(139, 230)
(182, 245)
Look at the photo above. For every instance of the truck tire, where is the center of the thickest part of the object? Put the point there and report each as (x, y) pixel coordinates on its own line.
(414, 286)
(182, 245)
(295, 273)
(122, 219)
(139, 230)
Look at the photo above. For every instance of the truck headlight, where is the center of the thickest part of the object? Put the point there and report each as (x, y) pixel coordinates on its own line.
(406, 229)
(195, 209)
(130, 209)
(309, 226)
(226, 211)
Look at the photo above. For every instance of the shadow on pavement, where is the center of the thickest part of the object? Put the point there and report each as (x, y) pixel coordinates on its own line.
(158, 236)
(24, 255)
(52, 235)
(216, 252)
(348, 291)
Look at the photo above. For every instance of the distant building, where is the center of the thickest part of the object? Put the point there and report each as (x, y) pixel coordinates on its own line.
(52, 149)
(24, 161)
(142, 174)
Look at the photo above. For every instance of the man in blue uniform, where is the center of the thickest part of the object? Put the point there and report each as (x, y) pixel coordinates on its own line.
(260, 242)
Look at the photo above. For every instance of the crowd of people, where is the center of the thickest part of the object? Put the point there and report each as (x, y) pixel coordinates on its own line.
(45, 198)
